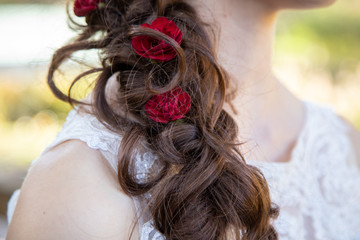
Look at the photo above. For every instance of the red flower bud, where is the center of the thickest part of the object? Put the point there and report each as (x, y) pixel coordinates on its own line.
(84, 7)
(168, 106)
(156, 49)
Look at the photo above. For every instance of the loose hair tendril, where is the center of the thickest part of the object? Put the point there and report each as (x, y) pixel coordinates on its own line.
(201, 186)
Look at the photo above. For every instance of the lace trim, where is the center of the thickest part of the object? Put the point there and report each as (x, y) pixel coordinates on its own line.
(318, 191)
(87, 128)
(11, 205)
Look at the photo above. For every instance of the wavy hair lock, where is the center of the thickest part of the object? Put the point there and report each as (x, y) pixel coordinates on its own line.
(202, 187)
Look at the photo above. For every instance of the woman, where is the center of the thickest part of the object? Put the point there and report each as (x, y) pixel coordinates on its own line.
(157, 154)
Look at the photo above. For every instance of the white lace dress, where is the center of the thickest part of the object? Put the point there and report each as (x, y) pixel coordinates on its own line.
(318, 190)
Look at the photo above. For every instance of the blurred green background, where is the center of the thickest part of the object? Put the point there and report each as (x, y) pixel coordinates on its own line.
(317, 55)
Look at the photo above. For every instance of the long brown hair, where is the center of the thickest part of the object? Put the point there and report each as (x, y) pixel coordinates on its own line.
(202, 187)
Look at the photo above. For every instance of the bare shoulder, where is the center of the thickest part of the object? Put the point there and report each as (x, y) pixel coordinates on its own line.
(71, 193)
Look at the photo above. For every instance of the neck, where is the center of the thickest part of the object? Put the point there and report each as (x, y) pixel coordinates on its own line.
(244, 49)
(246, 30)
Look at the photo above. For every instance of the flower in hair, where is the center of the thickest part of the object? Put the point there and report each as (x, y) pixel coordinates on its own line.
(156, 49)
(84, 7)
(168, 106)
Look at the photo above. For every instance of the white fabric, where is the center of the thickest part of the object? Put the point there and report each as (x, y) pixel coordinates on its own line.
(318, 190)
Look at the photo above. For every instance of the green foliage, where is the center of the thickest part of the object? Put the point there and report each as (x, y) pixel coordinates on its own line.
(21, 99)
(329, 38)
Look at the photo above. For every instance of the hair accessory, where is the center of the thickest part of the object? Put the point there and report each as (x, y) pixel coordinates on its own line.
(83, 7)
(168, 106)
(155, 49)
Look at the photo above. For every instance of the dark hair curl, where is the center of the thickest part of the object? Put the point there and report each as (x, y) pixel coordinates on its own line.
(203, 188)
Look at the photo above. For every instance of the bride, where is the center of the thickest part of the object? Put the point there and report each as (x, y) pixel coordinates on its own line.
(188, 134)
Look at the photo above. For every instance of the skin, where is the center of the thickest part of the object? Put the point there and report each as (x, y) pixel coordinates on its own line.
(270, 118)
(298, 4)
(72, 193)
(265, 109)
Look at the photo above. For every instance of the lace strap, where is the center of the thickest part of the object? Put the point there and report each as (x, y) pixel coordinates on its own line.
(322, 127)
(87, 128)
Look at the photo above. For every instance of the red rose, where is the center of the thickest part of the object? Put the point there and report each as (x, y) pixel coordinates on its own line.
(168, 106)
(84, 7)
(156, 49)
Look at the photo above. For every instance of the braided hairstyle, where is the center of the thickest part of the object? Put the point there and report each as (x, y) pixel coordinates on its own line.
(202, 187)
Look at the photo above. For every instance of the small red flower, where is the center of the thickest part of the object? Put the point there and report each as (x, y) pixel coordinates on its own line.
(84, 7)
(168, 106)
(156, 49)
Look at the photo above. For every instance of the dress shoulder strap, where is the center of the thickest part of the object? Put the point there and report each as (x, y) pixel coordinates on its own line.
(321, 126)
(87, 128)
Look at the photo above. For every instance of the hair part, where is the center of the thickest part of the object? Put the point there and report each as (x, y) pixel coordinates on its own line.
(202, 187)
